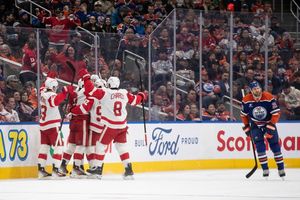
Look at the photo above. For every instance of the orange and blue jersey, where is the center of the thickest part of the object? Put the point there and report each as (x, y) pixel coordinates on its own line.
(260, 112)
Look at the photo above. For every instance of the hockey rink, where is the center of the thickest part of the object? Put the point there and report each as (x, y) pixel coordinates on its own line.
(179, 185)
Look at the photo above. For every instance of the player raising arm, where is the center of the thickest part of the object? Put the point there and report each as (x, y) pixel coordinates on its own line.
(113, 123)
(260, 113)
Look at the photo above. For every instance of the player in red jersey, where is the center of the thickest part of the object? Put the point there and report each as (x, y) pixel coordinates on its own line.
(78, 137)
(113, 122)
(49, 124)
(260, 113)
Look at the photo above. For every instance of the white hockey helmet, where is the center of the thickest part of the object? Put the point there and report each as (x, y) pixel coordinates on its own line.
(94, 77)
(100, 83)
(51, 84)
(113, 82)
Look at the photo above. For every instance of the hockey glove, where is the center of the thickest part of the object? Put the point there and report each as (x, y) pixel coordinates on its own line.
(84, 74)
(67, 89)
(52, 74)
(144, 96)
(247, 130)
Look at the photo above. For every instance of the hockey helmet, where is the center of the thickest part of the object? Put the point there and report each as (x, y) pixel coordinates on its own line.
(113, 82)
(51, 84)
(254, 84)
(94, 77)
(100, 83)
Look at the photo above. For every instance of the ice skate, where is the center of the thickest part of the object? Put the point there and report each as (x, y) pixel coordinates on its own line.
(78, 172)
(63, 167)
(128, 174)
(95, 172)
(266, 173)
(281, 173)
(43, 174)
(57, 173)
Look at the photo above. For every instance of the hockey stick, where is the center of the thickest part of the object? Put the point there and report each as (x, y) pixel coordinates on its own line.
(116, 56)
(143, 106)
(253, 150)
(70, 65)
(255, 160)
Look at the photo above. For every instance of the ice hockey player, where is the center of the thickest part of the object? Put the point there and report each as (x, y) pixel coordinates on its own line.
(78, 137)
(260, 113)
(113, 124)
(49, 127)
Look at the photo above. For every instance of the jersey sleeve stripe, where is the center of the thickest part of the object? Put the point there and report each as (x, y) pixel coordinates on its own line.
(275, 111)
(83, 110)
(242, 113)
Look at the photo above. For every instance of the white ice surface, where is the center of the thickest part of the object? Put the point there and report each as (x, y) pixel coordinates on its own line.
(179, 185)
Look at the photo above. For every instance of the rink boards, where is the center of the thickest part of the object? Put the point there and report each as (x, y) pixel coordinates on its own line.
(171, 146)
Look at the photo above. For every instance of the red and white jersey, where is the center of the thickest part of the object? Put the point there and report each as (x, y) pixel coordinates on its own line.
(95, 116)
(60, 28)
(29, 62)
(110, 104)
(50, 115)
(78, 97)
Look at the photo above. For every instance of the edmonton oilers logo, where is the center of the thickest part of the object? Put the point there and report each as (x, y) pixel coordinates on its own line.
(259, 113)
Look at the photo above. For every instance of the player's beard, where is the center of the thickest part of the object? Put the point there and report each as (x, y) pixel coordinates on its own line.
(257, 95)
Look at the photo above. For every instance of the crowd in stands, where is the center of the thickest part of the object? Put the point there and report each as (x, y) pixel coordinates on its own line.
(127, 24)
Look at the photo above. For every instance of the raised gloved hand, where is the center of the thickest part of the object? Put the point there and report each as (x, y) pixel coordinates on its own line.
(144, 95)
(84, 74)
(247, 129)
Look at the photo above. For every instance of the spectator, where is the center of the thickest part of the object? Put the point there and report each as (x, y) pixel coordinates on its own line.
(10, 114)
(162, 68)
(184, 113)
(64, 71)
(296, 80)
(208, 95)
(3, 113)
(25, 109)
(91, 25)
(60, 26)
(224, 84)
(32, 94)
(291, 96)
(2, 85)
(245, 80)
(29, 63)
(223, 114)
(274, 81)
(12, 85)
(108, 27)
(210, 113)
(194, 113)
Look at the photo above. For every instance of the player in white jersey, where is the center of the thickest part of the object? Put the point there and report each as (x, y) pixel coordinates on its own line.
(95, 130)
(49, 126)
(113, 122)
(78, 137)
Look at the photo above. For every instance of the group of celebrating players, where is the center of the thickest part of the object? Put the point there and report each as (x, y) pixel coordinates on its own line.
(97, 117)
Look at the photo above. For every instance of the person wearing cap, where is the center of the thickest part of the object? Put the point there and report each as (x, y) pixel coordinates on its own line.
(12, 82)
(260, 113)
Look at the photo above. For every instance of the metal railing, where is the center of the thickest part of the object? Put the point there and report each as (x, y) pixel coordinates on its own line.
(293, 6)
(30, 12)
